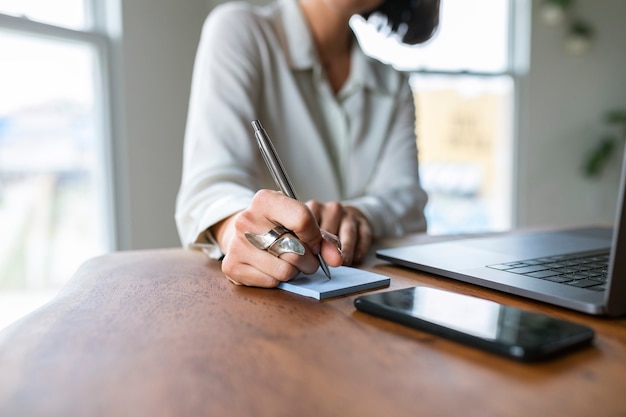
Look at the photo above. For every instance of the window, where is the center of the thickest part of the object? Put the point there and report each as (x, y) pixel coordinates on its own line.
(464, 93)
(54, 185)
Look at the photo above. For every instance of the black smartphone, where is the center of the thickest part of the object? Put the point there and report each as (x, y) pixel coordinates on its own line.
(484, 324)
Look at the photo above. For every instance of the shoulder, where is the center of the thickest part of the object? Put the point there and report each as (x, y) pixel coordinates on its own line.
(237, 16)
(383, 77)
(238, 26)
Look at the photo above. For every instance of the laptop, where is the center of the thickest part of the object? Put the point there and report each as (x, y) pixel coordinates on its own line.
(582, 269)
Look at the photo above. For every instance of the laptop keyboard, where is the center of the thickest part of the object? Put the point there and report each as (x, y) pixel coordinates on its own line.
(583, 271)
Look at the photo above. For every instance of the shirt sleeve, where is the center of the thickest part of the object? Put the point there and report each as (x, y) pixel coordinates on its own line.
(219, 158)
(395, 200)
(222, 166)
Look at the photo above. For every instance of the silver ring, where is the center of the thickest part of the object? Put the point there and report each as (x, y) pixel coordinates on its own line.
(263, 242)
(286, 244)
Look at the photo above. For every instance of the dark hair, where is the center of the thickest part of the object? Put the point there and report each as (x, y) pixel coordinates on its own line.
(415, 21)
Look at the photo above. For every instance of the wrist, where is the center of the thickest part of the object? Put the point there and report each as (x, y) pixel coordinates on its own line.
(221, 231)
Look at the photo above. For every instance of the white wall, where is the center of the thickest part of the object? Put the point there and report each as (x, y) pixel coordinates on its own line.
(563, 96)
(156, 55)
(564, 101)
(158, 47)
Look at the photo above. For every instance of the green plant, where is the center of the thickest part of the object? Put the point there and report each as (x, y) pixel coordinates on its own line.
(597, 158)
(581, 28)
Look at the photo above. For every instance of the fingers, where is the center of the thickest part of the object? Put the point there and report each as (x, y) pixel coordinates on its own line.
(277, 208)
(349, 224)
(356, 236)
(248, 265)
(329, 215)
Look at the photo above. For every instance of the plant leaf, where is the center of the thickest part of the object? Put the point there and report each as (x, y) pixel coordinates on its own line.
(616, 117)
(598, 156)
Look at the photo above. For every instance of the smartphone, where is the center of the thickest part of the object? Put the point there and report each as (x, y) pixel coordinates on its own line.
(500, 329)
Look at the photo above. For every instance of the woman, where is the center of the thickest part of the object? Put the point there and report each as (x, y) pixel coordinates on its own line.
(342, 123)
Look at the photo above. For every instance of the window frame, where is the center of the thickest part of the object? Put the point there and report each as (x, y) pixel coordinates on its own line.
(518, 34)
(96, 35)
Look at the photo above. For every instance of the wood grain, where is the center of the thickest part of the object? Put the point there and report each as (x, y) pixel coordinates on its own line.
(164, 333)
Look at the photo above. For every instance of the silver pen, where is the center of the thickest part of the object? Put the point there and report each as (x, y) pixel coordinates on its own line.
(278, 172)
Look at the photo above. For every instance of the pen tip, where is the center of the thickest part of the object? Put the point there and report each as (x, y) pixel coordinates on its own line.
(256, 125)
(325, 268)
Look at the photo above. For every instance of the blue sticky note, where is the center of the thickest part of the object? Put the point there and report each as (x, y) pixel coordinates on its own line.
(345, 280)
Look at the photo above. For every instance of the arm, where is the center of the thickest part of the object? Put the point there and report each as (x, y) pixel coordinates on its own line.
(219, 167)
(394, 202)
(222, 165)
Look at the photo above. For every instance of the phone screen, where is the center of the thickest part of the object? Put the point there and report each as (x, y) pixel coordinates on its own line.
(481, 323)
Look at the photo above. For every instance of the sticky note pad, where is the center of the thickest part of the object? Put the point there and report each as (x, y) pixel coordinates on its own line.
(345, 280)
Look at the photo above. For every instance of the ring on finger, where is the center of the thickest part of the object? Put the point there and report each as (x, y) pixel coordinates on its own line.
(264, 241)
(286, 244)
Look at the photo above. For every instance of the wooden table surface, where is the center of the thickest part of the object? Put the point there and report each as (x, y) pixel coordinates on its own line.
(164, 333)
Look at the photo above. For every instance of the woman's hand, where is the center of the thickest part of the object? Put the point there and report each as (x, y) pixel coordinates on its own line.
(245, 264)
(349, 224)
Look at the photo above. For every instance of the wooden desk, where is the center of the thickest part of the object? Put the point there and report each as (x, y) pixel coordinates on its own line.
(163, 333)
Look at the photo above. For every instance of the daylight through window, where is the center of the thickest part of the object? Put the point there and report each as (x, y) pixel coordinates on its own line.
(53, 192)
(464, 94)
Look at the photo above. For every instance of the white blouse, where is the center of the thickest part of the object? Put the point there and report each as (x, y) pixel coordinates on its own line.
(357, 147)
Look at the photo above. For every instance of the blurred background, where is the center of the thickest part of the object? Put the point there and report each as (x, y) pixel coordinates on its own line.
(512, 99)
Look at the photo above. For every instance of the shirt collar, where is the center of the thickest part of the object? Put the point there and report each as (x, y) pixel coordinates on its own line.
(298, 39)
(303, 56)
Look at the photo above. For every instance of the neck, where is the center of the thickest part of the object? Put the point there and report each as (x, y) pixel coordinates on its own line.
(330, 29)
(333, 39)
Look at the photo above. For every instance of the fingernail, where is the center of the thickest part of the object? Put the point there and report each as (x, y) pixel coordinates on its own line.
(329, 237)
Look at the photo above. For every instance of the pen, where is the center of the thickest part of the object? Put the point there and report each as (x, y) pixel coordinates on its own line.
(278, 172)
